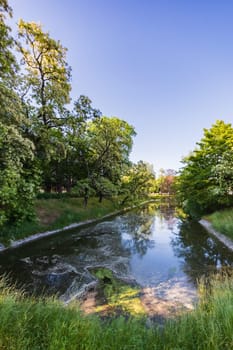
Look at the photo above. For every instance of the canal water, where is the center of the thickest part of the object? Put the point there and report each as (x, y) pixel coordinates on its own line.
(152, 252)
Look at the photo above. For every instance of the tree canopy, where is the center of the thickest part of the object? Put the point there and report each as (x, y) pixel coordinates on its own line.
(205, 182)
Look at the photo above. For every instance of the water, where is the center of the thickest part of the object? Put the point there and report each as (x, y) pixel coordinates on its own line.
(147, 247)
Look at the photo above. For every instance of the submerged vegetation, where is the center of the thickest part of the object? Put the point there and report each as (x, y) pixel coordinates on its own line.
(47, 324)
(118, 294)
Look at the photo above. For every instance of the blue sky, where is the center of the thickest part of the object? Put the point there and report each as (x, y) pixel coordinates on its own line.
(164, 66)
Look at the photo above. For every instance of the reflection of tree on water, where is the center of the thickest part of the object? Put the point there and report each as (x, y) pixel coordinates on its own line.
(201, 254)
(167, 213)
(139, 225)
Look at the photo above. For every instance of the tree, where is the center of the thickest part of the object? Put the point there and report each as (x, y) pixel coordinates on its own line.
(110, 141)
(138, 182)
(224, 172)
(11, 112)
(7, 59)
(47, 75)
(165, 181)
(18, 178)
(201, 185)
(45, 93)
(66, 171)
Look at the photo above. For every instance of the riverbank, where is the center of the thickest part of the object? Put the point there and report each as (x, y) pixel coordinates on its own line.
(55, 215)
(28, 323)
(222, 221)
(220, 224)
(208, 226)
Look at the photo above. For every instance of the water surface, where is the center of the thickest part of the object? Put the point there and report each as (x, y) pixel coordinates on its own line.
(148, 247)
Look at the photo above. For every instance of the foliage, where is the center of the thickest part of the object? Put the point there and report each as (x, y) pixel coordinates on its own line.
(73, 168)
(7, 59)
(138, 182)
(165, 181)
(11, 108)
(205, 181)
(45, 92)
(47, 72)
(83, 187)
(56, 195)
(104, 187)
(18, 178)
(110, 141)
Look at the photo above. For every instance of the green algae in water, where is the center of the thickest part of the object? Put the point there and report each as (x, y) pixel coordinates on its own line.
(118, 294)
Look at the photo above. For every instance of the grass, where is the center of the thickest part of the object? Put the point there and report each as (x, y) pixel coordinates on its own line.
(28, 323)
(57, 213)
(222, 221)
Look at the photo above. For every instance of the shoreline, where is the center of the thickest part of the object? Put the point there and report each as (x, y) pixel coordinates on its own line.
(41, 235)
(221, 237)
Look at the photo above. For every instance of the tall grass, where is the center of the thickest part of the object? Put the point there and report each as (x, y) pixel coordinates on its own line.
(222, 221)
(27, 323)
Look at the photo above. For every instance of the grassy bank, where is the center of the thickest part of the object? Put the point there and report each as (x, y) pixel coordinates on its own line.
(222, 221)
(56, 213)
(46, 324)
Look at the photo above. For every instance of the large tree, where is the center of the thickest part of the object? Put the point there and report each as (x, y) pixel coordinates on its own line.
(45, 93)
(110, 142)
(65, 172)
(47, 75)
(18, 178)
(205, 181)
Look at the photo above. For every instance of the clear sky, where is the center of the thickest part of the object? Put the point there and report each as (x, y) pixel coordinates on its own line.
(164, 66)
